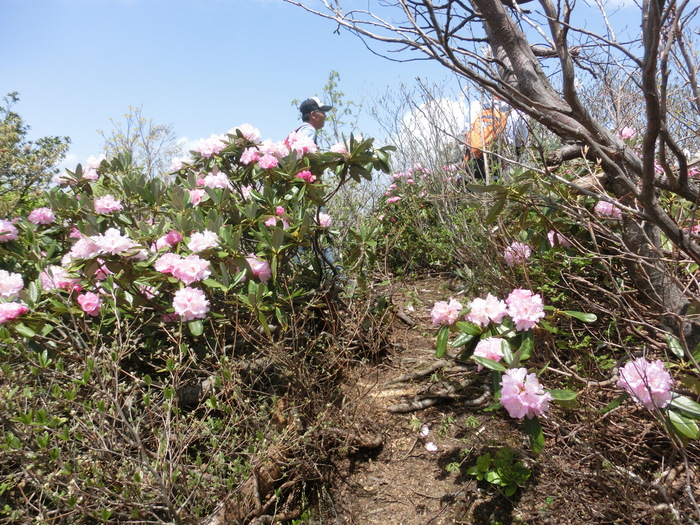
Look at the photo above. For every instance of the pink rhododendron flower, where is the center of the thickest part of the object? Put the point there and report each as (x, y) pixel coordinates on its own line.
(431, 447)
(324, 220)
(191, 268)
(245, 192)
(90, 303)
(517, 253)
(608, 210)
(75, 233)
(90, 169)
(259, 267)
(202, 241)
(525, 308)
(557, 239)
(522, 395)
(485, 311)
(300, 143)
(216, 180)
(41, 216)
(272, 222)
(279, 210)
(107, 204)
(11, 311)
(444, 313)
(627, 133)
(250, 156)
(339, 147)
(267, 162)
(101, 272)
(168, 240)
(647, 382)
(10, 284)
(490, 348)
(177, 163)
(54, 277)
(84, 248)
(211, 146)
(306, 176)
(249, 132)
(278, 149)
(167, 262)
(113, 242)
(190, 304)
(196, 196)
(392, 200)
(8, 231)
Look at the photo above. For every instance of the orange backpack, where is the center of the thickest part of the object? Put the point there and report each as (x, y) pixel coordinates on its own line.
(486, 128)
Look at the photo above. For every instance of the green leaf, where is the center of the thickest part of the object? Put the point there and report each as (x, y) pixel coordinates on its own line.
(581, 316)
(441, 345)
(496, 209)
(489, 363)
(562, 395)
(462, 339)
(24, 330)
(534, 431)
(675, 346)
(196, 327)
(686, 405)
(468, 328)
(614, 403)
(685, 426)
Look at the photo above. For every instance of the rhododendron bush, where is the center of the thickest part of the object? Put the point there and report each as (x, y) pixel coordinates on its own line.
(138, 302)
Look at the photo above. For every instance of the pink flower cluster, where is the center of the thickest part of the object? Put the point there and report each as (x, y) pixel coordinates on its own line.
(107, 204)
(260, 268)
(557, 239)
(324, 220)
(249, 132)
(306, 176)
(522, 395)
(522, 306)
(11, 311)
(170, 239)
(56, 277)
(517, 253)
(8, 231)
(202, 241)
(216, 180)
(300, 143)
(490, 348)
(211, 146)
(41, 216)
(627, 133)
(188, 269)
(190, 304)
(90, 302)
(444, 313)
(608, 210)
(485, 311)
(10, 284)
(647, 382)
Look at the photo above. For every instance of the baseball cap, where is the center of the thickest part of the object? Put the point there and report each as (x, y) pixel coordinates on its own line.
(313, 104)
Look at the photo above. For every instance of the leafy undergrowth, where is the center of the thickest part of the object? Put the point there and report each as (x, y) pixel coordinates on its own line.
(619, 466)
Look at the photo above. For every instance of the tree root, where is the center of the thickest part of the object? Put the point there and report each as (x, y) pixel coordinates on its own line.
(450, 391)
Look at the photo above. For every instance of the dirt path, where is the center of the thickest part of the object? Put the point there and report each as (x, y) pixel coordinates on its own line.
(406, 482)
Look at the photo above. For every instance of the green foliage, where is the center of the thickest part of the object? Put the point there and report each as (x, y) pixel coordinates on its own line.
(503, 470)
(133, 409)
(26, 166)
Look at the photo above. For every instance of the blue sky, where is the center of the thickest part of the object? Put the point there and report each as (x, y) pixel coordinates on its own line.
(203, 66)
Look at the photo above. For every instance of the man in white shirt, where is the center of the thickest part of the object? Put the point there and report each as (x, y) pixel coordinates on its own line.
(313, 114)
